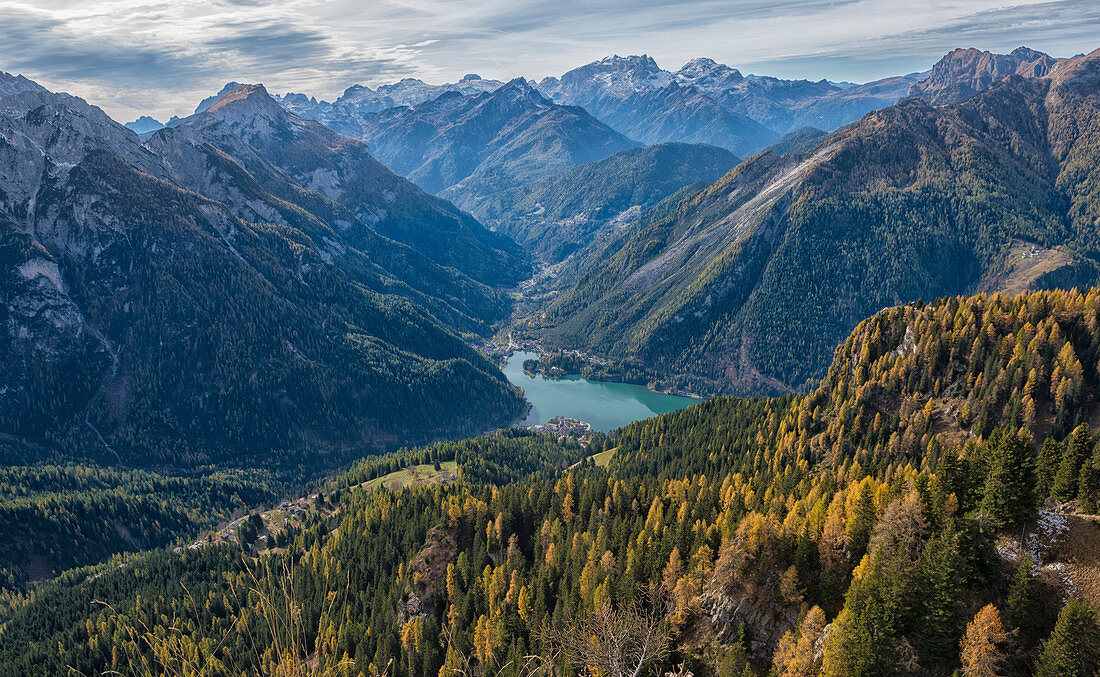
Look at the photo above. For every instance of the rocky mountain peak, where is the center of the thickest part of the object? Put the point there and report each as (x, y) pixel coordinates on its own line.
(517, 93)
(356, 91)
(631, 60)
(144, 125)
(209, 101)
(518, 84)
(252, 113)
(614, 76)
(252, 95)
(13, 84)
(62, 129)
(292, 97)
(963, 73)
(641, 71)
(707, 74)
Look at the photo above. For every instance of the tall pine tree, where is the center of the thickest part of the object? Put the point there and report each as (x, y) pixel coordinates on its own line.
(1072, 649)
(1078, 449)
(1021, 603)
(1050, 457)
(1089, 482)
(1009, 498)
(941, 597)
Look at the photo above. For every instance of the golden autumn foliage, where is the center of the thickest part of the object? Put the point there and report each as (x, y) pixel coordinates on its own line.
(981, 652)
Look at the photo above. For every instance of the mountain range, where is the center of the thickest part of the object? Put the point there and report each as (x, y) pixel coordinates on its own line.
(978, 180)
(465, 148)
(240, 286)
(709, 102)
(474, 140)
(703, 102)
(748, 283)
(219, 337)
(362, 99)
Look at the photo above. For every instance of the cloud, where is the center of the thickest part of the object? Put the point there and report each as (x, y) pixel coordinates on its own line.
(163, 56)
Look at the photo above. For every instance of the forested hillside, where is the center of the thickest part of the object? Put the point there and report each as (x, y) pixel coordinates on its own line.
(165, 306)
(913, 514)
(746, 285)
(557, 216)
(55, 517)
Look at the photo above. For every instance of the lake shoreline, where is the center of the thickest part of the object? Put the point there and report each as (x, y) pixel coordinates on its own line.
(606, 405)
(594, 369)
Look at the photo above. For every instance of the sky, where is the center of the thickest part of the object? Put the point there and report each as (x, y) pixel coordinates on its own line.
(161, 57)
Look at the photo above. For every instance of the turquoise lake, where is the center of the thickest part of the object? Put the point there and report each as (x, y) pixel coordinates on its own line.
(605, 405)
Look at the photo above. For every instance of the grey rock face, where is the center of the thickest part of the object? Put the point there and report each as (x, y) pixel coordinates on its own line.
(963, 73)
(144, 125)
(112, 251)
(709, 102)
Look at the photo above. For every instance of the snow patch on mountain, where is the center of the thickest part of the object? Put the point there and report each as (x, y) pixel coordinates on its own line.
(707, 74)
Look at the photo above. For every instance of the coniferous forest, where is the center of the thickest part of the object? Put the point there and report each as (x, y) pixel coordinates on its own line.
(923, 504)
(257, 418)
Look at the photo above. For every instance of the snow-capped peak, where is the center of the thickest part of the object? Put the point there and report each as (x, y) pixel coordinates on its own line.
(707, 74)
(616, 76)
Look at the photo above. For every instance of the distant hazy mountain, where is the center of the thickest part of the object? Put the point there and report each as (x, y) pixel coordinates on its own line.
(636, 97)
(468, 147)
(852, 102)
(440, 135)
(144, 125)
(677, 113)
(613, 78)
(343, 113)
(773, 102)
(709, 102)
(187, 300)
(557, 216)
(708, 75)
(411, 91)
(963, 73)
(748, 284)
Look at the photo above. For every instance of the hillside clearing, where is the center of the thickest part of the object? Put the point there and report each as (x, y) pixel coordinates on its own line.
(415, 476)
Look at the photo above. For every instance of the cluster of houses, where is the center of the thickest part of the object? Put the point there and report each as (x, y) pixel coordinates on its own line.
(564, 426)
(293, 510)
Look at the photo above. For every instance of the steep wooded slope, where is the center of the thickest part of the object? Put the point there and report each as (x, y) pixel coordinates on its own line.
(145, 323)
(882, 505)
(560, 215)
(749, 283)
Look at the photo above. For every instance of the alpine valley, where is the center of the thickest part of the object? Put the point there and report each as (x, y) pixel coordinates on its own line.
(253, 419)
